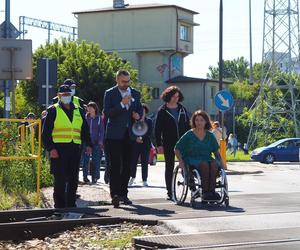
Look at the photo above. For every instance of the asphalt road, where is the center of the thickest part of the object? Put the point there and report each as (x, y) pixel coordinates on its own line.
(264, 211)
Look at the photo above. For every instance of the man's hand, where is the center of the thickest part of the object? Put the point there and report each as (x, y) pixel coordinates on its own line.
(88, 150)
(135, 115)
(139, 139)
(160, 149)
(101, 146)
(126, 99)
(54, 154)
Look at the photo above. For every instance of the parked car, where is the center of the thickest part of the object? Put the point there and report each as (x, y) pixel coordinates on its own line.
(282, 150)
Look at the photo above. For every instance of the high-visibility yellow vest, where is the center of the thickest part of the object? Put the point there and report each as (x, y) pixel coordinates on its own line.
(64, 130)
(75, 100)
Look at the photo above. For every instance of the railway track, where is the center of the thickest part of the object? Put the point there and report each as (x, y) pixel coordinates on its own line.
(21, 225)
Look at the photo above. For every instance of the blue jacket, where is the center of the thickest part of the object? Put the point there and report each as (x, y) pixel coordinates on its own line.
(119, 119)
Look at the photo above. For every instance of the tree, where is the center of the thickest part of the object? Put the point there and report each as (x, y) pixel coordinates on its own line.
(234, 70)
(241, 90)
(87, 64)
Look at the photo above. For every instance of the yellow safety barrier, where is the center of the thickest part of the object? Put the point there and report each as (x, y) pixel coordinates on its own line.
(24, 132)
(223, 152)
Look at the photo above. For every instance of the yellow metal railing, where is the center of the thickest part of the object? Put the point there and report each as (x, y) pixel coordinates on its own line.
(28, 132)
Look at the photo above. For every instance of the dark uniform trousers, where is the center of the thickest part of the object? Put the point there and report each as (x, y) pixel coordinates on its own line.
(119, 154)
(65, 170)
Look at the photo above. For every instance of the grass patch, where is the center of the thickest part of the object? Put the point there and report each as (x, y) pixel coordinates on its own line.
(123, 240)
(240, 156)
(18, 178)
(18, 200)
(6, 200)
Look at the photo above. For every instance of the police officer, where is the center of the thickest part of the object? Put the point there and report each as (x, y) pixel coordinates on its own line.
(75, 99)
(65, 128)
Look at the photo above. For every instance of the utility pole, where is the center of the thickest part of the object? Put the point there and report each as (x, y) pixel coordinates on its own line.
(7, 83)
(221, 57)
(250, 44)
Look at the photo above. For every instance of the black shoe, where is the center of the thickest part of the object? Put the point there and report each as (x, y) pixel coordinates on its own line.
(94, 181)
(115, 201)
(169, 198)
(126, 201)
(86, 180)
(106, 180)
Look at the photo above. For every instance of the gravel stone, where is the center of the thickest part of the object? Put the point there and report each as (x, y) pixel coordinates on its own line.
(83, 237)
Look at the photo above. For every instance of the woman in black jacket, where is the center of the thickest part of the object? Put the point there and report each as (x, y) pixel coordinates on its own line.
(172, 122)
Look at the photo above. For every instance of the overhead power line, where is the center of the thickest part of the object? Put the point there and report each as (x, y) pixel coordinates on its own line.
(48, 25)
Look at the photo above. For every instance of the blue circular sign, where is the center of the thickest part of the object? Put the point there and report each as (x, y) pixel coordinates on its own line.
(224, 100)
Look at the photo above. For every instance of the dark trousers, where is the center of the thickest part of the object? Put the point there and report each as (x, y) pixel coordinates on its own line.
(170, 162)
(107, 163)
(119, 154)
(96, 159)
(65, 170)
(140, 149)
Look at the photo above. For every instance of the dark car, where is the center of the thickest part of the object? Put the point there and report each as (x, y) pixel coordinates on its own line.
(282, 150)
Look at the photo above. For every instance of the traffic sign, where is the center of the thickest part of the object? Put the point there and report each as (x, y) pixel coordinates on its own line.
(224, 100)
(12, 30)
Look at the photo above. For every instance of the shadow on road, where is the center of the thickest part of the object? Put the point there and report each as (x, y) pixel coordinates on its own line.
(145, 210)
(215, 207)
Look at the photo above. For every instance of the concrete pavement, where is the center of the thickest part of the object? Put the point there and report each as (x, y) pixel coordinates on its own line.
(263, 198)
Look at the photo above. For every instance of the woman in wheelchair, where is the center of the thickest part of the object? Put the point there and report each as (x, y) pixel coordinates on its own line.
(195, 149)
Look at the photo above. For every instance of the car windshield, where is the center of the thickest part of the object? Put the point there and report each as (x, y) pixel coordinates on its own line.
(274, 144)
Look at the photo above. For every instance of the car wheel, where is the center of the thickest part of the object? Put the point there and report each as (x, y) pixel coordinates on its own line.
(269, 158)
(154, 160)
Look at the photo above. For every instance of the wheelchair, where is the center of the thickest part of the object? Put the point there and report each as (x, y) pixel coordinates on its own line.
(189, 178)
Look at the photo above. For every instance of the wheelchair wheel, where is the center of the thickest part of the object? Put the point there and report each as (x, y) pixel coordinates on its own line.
(180, 184)
(226, 196)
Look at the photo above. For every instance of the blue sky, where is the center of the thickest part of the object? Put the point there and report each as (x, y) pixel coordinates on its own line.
(206, 36)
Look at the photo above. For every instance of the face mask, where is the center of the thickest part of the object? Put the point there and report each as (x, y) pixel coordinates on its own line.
(66, 99)
(72, 92)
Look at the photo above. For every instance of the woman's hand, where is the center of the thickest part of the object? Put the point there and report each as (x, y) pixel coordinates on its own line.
(88, 150)
(181, 164)
(160, 149)
(219, 160)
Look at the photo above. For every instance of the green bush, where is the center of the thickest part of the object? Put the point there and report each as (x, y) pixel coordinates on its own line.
(20, 176)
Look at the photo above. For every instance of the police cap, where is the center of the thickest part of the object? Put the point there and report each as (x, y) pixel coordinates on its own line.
(64, 89)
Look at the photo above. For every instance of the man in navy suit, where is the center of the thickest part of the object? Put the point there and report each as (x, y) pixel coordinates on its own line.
(122, 106)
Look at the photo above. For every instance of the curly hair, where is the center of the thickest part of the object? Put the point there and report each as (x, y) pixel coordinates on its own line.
(204, 115)
(167, 94)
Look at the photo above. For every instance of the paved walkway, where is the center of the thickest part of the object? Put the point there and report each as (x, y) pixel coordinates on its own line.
(98, 194)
